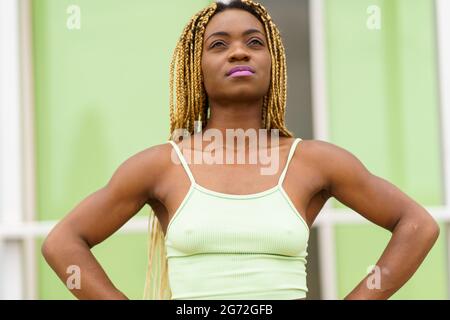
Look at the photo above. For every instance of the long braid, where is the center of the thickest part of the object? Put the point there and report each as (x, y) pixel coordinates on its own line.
(190, 100)
(200, 97)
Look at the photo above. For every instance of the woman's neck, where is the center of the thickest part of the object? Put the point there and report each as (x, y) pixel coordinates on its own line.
(235, 115)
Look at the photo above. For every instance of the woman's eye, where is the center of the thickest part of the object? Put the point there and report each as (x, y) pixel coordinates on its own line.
(256, 41)
(215, 44)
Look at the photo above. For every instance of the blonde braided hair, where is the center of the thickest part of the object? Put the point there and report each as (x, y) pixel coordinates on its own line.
(191, 104)
(185, 73)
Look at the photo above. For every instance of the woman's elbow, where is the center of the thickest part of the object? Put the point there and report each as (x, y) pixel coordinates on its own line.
(50, 246)
(429, 228)
(434, 229)
(58, 240)
(424, 224)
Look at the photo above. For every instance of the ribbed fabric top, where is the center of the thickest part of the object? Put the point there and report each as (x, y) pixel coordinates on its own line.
(229, 246)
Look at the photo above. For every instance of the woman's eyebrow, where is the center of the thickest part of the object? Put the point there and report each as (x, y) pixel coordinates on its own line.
(245, 33)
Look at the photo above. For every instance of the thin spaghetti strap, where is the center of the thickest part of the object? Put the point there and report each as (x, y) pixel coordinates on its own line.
(291, 153)
(183, 161)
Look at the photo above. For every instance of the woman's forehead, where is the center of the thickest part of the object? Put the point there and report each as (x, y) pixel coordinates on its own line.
(233, 22)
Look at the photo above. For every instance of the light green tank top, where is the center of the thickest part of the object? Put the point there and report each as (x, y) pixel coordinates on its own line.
(229, 246)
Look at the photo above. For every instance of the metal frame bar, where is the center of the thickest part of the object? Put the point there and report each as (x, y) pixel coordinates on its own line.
(140, 224)
(327, 254)
(28, 163)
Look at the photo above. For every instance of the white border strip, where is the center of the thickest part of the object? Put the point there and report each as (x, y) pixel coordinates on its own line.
(326, 241)
(11, 188)
(443, 43)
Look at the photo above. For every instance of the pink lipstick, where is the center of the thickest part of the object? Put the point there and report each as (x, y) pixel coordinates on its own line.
(241, 71)
(241, 74)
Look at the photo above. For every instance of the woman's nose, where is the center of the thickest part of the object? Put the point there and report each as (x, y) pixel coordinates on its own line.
(238, 52)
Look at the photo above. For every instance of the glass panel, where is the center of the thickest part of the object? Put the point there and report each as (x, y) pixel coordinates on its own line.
(383, 105)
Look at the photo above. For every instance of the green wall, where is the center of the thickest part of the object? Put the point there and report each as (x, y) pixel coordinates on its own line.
(101, 96)
(383, 107)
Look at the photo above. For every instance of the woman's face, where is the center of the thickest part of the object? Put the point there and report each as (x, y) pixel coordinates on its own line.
(233, 38)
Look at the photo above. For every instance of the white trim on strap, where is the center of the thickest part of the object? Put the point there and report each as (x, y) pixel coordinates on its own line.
(291, 153)
(183, 161)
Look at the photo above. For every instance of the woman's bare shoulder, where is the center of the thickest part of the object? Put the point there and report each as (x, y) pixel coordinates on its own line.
(158, 155)
(323, 152)
(304, 149)
(316, 156)
(147, 167)
(313, 149)
(331, 161)
(152, 157)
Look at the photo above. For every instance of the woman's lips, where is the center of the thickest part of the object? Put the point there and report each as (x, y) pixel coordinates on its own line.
(245, 73)
(242, 70)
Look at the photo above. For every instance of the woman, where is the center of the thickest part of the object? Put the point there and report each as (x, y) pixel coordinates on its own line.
(242, 234)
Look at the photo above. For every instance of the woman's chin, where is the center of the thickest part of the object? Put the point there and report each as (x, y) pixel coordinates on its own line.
(241, 91)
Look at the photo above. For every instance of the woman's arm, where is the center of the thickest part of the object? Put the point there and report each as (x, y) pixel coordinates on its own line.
(414, 230)
(96, 218)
